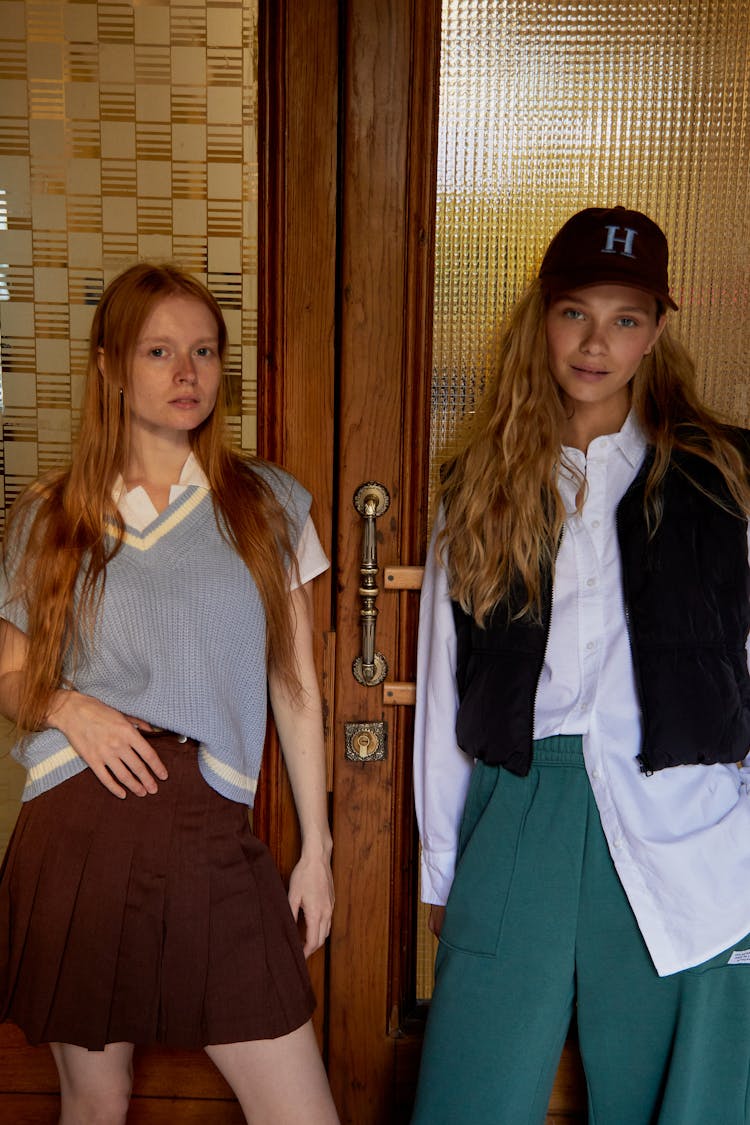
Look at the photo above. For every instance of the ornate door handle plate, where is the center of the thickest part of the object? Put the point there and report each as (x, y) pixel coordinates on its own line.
(371, 500)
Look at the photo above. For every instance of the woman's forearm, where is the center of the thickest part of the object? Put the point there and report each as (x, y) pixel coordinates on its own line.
(299, 722)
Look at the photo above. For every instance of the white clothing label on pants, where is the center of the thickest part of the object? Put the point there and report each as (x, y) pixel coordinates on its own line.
(740, 957)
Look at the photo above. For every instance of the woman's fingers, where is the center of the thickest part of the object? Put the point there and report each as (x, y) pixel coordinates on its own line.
(123, 765)
(311, 890)
(111, 744)
(147, 754)
(108, 781)
(129, 767)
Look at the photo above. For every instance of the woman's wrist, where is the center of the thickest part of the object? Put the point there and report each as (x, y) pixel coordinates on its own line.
(59, 704)
(317, 844)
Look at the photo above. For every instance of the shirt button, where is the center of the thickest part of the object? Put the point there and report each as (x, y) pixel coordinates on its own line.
(617, 841)
(596, 775)
(591, 582)
(589, 646)
(596, 523)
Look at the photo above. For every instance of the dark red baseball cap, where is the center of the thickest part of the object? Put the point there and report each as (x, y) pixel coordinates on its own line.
(612, 245)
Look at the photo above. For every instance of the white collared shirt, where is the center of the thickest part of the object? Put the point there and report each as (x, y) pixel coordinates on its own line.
(138, 511)
(679, 839)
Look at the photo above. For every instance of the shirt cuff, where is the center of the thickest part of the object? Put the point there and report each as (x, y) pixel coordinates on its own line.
(438, 869)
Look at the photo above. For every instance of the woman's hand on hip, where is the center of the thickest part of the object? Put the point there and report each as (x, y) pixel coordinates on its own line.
(109, 742)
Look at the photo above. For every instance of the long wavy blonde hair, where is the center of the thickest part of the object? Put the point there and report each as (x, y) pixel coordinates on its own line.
(503, 512)
(69, 519)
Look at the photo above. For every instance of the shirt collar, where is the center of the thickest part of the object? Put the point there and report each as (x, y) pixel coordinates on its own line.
(193, 474)
(630, 440)
(190, 474)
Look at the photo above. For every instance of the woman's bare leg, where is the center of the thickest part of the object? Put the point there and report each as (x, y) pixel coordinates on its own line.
(278, 1081)
(94, 1085)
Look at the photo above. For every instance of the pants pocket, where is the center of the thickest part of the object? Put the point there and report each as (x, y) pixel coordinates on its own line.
(496, 808)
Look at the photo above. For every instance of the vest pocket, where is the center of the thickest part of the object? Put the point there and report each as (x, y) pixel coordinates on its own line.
(496, 807)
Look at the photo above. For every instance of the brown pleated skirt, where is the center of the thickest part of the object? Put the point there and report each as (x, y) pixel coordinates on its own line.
(157, 919)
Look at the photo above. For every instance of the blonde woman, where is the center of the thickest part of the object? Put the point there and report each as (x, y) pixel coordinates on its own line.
(154, 594)
(583, 715)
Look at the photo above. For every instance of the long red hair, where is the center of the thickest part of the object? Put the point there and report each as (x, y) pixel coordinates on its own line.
(65, 519)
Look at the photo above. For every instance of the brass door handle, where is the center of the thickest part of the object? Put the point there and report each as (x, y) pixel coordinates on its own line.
(371, 500)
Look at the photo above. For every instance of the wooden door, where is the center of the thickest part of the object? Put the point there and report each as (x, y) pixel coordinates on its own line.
(349, 115)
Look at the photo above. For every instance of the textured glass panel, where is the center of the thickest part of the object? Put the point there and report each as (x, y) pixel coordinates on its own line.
(549, 107)
(546, 108)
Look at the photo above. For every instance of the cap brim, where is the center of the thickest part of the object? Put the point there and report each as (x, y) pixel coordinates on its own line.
(559, 284)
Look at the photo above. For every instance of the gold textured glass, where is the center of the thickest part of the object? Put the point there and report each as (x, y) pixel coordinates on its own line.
(546, 108)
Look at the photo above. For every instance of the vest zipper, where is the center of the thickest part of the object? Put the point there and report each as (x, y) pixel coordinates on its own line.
(643, 762)
(641, 758)
(547, 621)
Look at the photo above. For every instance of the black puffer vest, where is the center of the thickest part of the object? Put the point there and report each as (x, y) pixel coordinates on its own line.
(687, 605)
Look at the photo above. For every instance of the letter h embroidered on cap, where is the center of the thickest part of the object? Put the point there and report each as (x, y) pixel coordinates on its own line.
(627, 241)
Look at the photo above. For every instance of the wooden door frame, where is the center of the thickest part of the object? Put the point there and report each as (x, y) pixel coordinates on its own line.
(297, 215)
(349, 100)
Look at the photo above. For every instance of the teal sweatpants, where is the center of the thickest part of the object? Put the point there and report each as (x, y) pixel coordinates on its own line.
(536, 923)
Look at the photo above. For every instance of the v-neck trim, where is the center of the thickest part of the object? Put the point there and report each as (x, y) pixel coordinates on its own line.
(174, 514)
(136, 506)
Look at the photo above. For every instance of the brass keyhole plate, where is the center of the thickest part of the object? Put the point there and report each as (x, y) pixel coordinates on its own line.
(366, 742)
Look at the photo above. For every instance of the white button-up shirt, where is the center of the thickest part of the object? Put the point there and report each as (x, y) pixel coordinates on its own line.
(679, 839)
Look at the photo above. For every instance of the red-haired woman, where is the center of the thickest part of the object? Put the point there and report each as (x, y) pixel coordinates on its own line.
(154, 596)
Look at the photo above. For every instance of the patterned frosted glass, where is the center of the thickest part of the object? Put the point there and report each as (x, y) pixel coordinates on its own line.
(546, 108)
(549, 107)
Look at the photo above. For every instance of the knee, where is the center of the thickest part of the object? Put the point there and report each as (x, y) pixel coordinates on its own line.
(103, 1105)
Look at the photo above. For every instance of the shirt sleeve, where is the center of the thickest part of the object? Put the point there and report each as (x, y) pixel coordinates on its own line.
(441, 770)
(311, 558)
(12, 603)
